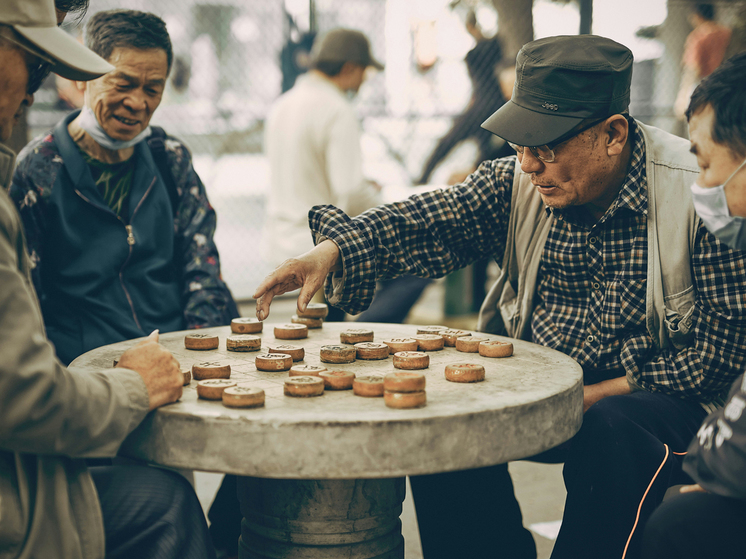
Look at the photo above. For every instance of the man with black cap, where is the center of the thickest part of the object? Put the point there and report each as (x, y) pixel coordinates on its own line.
(602, 258)
(51, 418)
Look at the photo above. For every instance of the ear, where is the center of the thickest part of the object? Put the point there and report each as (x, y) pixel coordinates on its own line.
(615, 134)
(347, 68)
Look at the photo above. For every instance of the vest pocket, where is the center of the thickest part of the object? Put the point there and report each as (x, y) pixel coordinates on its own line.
(509, 306)
(679, 328)
(678, 319)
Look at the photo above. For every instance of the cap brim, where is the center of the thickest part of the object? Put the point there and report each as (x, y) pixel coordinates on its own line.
(377, 65)
(525, 127)
(71, 59)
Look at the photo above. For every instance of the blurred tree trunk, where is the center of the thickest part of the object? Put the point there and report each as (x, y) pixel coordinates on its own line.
(515, 22)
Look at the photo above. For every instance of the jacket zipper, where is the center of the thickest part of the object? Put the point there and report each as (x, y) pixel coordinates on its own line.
(130, 243)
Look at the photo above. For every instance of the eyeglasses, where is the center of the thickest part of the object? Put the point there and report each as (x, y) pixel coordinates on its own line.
(38, 68)
(546, 152)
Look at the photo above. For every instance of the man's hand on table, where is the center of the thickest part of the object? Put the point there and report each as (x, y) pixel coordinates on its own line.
(158, 368)
(307, 272)
(592, 393)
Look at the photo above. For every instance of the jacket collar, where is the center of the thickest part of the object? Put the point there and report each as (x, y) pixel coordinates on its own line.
(77, 168)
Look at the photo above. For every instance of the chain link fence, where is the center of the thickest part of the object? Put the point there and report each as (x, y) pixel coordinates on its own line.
(233, 58)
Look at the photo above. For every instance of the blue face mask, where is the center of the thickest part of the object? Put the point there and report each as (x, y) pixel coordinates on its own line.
(89, 123)
(712, 206)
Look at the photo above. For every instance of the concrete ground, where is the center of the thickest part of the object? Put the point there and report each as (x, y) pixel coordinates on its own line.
(538, 487)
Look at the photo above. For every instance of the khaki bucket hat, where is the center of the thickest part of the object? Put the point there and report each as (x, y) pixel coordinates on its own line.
(36, 21)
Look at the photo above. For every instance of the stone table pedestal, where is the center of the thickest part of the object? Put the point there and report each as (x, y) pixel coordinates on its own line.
(321, 519)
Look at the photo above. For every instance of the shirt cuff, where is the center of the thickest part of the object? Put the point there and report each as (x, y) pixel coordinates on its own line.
(350, 289)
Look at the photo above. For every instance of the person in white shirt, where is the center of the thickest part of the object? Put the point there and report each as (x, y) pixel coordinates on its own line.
(312, 141)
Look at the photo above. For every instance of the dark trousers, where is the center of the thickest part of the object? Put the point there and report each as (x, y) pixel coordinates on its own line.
(394, 299)
(391, 303)
(610, 464)
(225, 517)
(470, 514)
(150, 513)
(619, 465)
(696, 526)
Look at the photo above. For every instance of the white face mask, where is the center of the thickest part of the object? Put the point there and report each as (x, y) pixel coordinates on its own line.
(90, 124)
(712, 206)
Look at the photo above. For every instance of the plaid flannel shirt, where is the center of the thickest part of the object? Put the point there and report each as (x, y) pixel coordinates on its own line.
(591, 287)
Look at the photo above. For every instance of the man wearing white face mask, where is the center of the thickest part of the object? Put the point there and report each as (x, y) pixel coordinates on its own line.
(707, 519)
(116, 219)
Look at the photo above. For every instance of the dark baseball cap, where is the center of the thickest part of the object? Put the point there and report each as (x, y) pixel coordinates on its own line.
(344, 45)
(36, 22)
(561, 81)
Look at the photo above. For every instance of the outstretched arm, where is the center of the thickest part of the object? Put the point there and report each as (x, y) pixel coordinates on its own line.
(427, 235)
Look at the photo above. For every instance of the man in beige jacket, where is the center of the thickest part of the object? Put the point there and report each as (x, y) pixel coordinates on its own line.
(51, 418)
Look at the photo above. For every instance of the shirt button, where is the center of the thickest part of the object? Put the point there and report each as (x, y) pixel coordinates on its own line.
(591, 339)
(596, 285)
(593, 240)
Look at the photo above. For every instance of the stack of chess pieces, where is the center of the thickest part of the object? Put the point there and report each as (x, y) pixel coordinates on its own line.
(402, 389)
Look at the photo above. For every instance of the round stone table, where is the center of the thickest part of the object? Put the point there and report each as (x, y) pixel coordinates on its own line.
(324, 476)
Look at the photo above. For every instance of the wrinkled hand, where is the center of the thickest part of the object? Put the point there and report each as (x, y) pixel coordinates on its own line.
(158, 368)
(307, 272)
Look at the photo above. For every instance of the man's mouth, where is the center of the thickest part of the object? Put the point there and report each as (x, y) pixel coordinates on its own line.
(544, 187)
(127, 121)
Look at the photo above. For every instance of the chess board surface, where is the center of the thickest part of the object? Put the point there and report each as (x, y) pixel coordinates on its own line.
(528, 402)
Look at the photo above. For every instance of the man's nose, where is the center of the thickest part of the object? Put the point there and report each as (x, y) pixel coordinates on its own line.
(136, 101)
(529, 162)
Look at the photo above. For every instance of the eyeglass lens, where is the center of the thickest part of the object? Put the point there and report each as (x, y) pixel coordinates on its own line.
(544, 153)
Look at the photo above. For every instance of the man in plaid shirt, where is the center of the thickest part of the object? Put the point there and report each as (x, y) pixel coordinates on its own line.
(597, 174)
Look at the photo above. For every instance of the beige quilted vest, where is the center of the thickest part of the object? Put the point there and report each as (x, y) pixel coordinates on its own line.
(672, 226)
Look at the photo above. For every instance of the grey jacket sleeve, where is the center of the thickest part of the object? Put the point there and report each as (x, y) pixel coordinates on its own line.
(44, 407)
(716, 458)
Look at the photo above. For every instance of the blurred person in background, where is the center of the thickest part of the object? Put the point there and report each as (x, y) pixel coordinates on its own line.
(312, 141)
(706, 519)
(51, 504)
(104, 175)
(704, 51)
(482, 62)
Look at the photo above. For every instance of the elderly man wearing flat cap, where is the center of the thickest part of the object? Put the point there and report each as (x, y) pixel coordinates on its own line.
(52, 418)
(602, 258)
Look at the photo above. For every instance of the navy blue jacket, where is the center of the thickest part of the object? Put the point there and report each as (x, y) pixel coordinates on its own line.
(102, 280)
